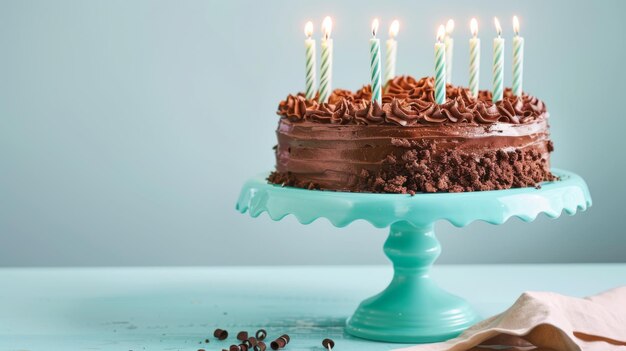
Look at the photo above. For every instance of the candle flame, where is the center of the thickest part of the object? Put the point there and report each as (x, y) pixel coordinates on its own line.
(308, 29)
(375, 25)
(474, 27)
(394, 29)
(450, 26)
(516, 25)
(327, 27)
(441, 32)
(498, 27)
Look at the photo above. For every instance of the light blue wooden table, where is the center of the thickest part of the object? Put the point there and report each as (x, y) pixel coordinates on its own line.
(177, 308)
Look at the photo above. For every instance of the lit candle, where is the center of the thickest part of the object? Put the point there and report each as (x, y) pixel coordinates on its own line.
(474, 68)
(440, 67)
(518, 59)
(498, 64)
(392, 51)
(375, 65)
(449, 49)
(309, 45)
(326, 67)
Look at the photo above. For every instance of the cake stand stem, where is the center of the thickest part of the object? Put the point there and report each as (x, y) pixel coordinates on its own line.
(412, 308)
(412, 250)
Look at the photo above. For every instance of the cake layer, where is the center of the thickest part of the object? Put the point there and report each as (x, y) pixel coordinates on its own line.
(409, 143)
(418, 158)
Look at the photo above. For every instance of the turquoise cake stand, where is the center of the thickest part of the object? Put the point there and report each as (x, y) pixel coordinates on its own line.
(413, 308)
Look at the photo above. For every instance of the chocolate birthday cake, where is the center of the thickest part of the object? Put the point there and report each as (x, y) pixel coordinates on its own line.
(410, 144)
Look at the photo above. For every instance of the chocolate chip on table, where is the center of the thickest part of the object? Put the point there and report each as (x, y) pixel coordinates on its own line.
(221, 334)
(242, 335)
(280, 342)
(277, 344)
(246, 343)
(328, 343)
(260, 346)
(233, 348)
(253, 341)
(260, 334)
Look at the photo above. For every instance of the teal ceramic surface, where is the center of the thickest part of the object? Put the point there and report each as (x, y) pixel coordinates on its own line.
(413, 308)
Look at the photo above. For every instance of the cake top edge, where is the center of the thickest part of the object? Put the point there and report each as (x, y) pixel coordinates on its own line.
(407, 101)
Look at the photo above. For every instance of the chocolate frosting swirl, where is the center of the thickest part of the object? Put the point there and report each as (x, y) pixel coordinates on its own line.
(407, 102)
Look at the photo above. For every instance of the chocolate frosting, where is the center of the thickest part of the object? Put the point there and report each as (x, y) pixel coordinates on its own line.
(467, 156)
(407, 102)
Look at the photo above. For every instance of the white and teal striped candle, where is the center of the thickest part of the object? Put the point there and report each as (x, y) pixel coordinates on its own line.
(326, 67)
(449, 49)
(498, 64)
(440, 67)
(375, 65)
(518, 59)
(392, 52)
(310, 77)
(474, 66)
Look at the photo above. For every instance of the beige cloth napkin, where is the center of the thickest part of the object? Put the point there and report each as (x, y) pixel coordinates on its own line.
(548, 322)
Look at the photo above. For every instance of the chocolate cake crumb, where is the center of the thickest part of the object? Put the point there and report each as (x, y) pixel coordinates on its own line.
(400, 142)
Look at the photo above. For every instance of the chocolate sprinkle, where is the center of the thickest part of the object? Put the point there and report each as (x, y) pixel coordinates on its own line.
(221, 334)
(326, 342)
(277, 344)
(252, 341)
(261, 334)
(247, 343)
(280, 342)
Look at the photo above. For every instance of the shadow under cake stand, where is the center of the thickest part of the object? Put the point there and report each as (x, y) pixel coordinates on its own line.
(413, 308)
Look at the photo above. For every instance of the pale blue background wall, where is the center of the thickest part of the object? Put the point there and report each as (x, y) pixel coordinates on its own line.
(127, 127)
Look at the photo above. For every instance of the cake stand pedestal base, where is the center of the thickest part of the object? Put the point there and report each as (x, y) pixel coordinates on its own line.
(412, 308)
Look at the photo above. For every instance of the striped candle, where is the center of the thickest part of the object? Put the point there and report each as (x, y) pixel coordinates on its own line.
(392, 52)
(518, 59)
(440, 67)
(375, 65)
(309, 45)
(498, 64)
(474, 67)
(449, 49)
(326, 67)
